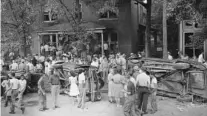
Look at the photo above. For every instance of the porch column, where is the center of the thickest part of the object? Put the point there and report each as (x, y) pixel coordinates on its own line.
(102, 43)
(109, 41)
(39, 42)
(56, 40)
(205, 50)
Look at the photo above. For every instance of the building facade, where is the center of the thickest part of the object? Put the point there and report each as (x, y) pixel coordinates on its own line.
(123, 33)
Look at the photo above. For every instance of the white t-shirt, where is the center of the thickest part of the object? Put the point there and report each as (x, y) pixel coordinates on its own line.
(14, 66)
(46, 47)
(95, 63)
(22, 84)
(143, 79)
(15, 83)
(170, 57)
(133, 81)
(105, 46)
(200, 58)
(81, 78)
(42, 58)
(31, 67)
(153, 82)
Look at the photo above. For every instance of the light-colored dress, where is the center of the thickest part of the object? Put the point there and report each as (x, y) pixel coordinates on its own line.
(74, 91)
(110, 84)
(118, 86)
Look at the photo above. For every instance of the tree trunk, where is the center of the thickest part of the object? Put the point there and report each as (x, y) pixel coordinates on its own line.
(165, 54)
(148, 26)
(78, 10)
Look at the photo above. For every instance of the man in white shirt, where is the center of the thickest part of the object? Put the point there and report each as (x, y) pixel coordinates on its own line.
(143, 84)
(170, 56)
(106, 49)
(14, 66)
(14, 87)
(30, 67)
(95, 63)
(46, 47)
(200, 58)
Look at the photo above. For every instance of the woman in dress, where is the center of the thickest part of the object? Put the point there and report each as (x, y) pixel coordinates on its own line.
(118, 86)
(110, 85)
(74, 91)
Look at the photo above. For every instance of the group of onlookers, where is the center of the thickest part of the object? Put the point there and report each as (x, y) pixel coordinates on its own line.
(135, 86)
(134, 83)
(14, 88)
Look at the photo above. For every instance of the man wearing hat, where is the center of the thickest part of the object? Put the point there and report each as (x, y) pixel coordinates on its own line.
(142, 87)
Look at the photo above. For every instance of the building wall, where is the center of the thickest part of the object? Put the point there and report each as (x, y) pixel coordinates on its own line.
(126, 25)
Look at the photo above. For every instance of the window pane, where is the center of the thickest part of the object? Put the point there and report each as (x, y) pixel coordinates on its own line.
(46, 16)
(103, 15)
(112, 15)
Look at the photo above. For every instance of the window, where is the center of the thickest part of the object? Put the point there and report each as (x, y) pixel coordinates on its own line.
(108, 14)
(49, 16)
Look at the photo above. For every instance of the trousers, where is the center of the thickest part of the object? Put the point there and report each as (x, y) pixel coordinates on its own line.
(43, 100)
(55, 90)
(14, 94)
(128, 104)
(143, 94)
(154, 101)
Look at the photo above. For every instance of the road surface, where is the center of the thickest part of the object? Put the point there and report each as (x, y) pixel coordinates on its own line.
(166, 107)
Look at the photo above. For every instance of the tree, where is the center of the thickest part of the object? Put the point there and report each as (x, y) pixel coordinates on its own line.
(18, 20)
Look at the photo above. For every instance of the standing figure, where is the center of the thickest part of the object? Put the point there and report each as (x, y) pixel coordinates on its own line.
(142, 87)
(110, 85)
(46, 48)
(104, 68)
(14, 66)
(42, 93)
(129, 90)
(153, 86)
(74, 91)
(55, 88)
(22, 88)
(14, 87)
(82, 89)
(106, 49)
(118, 80)
(6, 84)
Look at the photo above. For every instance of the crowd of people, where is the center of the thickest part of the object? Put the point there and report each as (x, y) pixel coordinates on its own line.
(134, 83)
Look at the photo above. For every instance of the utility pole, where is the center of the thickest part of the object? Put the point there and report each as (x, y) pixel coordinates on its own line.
(165, 51)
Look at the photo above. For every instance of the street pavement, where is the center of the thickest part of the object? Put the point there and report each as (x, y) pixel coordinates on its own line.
(166, 107)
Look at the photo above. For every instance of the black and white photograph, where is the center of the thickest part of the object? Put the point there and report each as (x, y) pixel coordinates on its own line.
(103, 57)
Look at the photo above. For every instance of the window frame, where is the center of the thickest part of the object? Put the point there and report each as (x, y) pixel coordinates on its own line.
(50, 17)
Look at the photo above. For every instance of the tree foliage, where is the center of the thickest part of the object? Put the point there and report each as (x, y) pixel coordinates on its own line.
(18, 19)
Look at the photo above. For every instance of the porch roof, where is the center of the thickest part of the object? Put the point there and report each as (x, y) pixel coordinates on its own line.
(66, 27)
